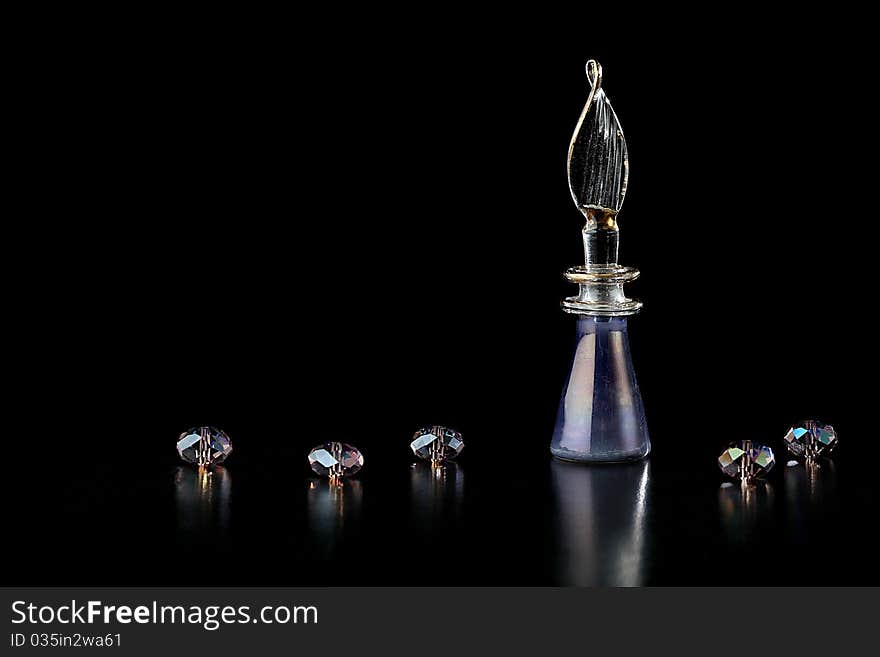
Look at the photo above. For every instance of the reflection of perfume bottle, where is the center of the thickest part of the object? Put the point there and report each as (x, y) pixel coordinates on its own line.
(600, 417)
(601, 520)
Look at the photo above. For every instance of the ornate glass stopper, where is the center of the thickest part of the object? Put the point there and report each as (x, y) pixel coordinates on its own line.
(601, 418)
(598, 170)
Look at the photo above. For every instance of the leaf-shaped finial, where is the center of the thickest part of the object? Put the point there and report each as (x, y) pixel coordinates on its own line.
(598, 167)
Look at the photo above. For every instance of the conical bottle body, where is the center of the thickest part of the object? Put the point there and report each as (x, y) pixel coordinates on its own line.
(601, 417)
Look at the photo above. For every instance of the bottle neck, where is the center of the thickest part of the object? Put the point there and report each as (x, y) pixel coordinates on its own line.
(599, 324)
(601, 238)
(601, 279)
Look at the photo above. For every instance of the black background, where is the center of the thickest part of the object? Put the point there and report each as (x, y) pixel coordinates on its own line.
(346, 236)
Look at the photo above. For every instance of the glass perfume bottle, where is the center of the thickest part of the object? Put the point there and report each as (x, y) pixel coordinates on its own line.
(601, 417)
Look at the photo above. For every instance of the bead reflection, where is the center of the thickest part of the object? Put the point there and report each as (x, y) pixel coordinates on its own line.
(333, 509)
(810, 489)
(202, 498)
(810, 481)
(601, 523)
(437, 493)
(744, 508)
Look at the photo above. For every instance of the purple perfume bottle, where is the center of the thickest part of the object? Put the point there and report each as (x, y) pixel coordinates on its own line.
(601, 418)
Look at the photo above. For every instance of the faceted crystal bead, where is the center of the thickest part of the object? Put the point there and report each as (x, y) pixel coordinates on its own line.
(827, 437)
(204, 446)
(763, 458)
(336, 460)
(811, 439)
(746, 460)
(729, 461)
(796, 440)
(437, 443)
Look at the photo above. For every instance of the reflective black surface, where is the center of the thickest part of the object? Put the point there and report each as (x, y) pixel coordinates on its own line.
(530, 521)
(293, 267)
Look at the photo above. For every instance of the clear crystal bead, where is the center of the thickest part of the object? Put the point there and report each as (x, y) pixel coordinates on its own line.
(336, 460)
(763, 458)
(729, 461)
(437, 443)
(826, 436)
(811, 439)
(796, 440)
(746, 460)
(204, 446)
